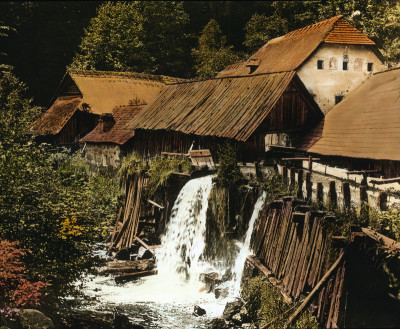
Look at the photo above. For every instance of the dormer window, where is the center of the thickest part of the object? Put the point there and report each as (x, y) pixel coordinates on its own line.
(253, 64)
(320, 64)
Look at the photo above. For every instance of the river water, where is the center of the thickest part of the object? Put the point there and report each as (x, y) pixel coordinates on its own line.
(167, 300)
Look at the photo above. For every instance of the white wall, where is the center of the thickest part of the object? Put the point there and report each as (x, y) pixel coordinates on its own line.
(327, 83)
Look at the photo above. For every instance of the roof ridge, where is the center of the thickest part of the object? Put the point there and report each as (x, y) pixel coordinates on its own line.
(104, 74)
(313, 27)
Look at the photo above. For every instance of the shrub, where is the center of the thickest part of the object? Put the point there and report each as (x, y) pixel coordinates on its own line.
(228, 173)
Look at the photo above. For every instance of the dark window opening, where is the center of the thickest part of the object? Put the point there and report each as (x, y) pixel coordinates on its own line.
(252, 69)
(320, 64)
(370, 65)
(345, 66)
(338, 99)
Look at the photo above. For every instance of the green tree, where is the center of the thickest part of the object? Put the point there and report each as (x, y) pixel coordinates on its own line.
(48, 200)
(141, 36)
(212, 53)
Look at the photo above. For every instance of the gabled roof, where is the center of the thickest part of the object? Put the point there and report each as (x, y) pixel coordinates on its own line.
(228, 107)
(366, 124)
(54, 119)
(103, 91)
(289, 52)
(118, 134)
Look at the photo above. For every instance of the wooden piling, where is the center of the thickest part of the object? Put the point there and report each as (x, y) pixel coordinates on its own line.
(310, 163)
(332, 194)
(382, 200)
(292, 177)
(284, 173)
(346, 195)
(320, 192)
(300, 183)
(363, 193)
(308, 186)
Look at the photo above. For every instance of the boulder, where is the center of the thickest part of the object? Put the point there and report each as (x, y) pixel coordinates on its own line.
(198, 311)
(231, 309)
(217, 323)
(34, 319)
(249, 326)
(144, 253)
(221, 292)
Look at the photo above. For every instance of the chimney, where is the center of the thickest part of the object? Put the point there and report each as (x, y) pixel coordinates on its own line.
(106, 121)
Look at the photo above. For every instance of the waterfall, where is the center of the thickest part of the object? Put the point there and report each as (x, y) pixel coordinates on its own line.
(183, 243)
(245, 249)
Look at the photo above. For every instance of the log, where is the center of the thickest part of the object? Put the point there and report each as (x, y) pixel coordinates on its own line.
(300, 183)
(316, 289)
(382, 200)
(363, 193)
(320, 192)
(133, 276)
(387, 242)
(256, 263)
(308, 186)
(155, 204)
(385, 180)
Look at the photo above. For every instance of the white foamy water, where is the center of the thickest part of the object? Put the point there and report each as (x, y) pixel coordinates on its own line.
(245, 249)
(183, 243)
(166, 300)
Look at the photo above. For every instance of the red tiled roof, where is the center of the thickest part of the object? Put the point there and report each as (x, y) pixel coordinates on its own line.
(366, 124)
(54, 119)
(289, 52)
(118, 134)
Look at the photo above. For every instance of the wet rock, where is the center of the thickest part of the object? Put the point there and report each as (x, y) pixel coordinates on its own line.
(227, 275)
(208, 277)
(144, 253)
(217, 323)
(231, 309)
(198, 311)
(34, 319)
(221, 292)
(123, 254)
(249, 326)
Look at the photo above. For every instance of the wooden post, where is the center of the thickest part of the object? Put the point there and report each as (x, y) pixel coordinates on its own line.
(292, 177)
(257, 169)
(363, 193)
(320, 192)
(346, 195)
(382, 200)
(310, 163)
(332, 194)
(300, 183)
(308, 186)
(284, 174)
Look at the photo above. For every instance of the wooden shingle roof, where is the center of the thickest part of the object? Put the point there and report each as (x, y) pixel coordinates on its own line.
(366, 124)
(54, 119)
(118, 134)
(227, 107)
(289, 52)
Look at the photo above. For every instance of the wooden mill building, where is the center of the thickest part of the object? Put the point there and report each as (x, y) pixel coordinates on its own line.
(241, 109)
(83, 96)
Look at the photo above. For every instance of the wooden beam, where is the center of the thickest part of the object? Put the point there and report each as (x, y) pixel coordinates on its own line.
(357, 172)
(175, 154)
(387, 242)
(300, 159)
(155, 204)
(316, 289)
(256, 263)
(385, 180)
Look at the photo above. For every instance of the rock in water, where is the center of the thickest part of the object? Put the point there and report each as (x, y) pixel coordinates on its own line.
(217, 323)
(144, 253)
(34, 319)
(231, 309)
(198, 311)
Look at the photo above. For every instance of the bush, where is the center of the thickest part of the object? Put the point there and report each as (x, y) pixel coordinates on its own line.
(265, 303)
(228, 173)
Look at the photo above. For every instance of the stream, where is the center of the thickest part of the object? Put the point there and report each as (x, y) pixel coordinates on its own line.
(167, 300)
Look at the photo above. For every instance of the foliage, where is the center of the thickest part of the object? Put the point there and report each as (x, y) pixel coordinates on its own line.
(265, 303)
(212, 53)
(15, 289)
(132, 164)
(161, 168)
(48, 200)
(141, 36)
(228, 172)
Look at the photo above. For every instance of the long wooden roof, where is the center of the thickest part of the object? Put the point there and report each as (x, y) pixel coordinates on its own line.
(222, 107)
(366, 124)
(289, 52)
